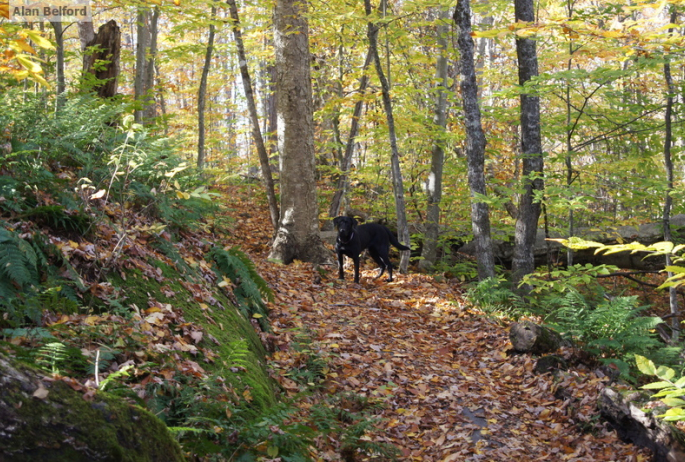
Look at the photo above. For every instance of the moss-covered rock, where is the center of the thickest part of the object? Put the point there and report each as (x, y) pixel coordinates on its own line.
(42, 419)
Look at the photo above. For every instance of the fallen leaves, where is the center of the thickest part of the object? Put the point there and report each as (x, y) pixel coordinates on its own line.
(451, 390)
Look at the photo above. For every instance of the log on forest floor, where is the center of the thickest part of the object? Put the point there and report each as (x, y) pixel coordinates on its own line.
(649, 233)
(640, 428)
(528, 337)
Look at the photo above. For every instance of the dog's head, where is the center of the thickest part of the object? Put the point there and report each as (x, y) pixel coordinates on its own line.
(345, 227)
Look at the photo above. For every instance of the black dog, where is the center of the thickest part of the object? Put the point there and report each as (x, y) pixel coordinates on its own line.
(352, 239)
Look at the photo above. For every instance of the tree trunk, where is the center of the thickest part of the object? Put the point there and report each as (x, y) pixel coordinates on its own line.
(86, 33)
(398, 187)
(341, 189)
(297, 236)
(145, 54)
(149, 98)
(202, 95)
(272, 114)
(434, 183)
(531, 148)
(61, 83)
(475, 144)
(106, 56)
(668, 202)
(254, 117)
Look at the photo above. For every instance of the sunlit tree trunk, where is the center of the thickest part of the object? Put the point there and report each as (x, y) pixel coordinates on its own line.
(254, 117)
(398, 187)
(202, 94)
(297, 236)
(668, 202)
(429, 251)
(86, 33)
(61, 82)
(529, 206)
(146, 34)
(475, 143)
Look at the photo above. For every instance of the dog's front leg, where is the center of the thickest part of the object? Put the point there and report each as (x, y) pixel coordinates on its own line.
(356, 269)
(341, 273)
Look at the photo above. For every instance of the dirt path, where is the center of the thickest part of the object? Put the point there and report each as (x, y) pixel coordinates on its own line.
(452, 392)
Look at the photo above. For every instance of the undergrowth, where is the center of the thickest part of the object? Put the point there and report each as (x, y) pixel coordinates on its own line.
(612, 329)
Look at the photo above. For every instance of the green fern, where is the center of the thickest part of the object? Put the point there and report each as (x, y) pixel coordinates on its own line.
(238, 351)
(18, 260)
(612, 330)
(250, 288)
(51, 357)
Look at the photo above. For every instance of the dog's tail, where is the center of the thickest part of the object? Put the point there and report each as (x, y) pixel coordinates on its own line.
(396, 243)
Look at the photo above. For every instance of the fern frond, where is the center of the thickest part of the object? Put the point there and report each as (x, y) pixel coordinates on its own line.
(18, 262)
(250, 288)
(251, 270)
(51, 356)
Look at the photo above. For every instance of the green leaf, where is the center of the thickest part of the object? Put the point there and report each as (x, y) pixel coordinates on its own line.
(673, 414)
(673, 402)
(665, 373)
(645, 365)
(657, 385)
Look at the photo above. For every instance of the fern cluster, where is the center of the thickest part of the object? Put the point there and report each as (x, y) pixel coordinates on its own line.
(18, 264)
(612, 329)
(250, 289)
(29, 283)
(495, 296)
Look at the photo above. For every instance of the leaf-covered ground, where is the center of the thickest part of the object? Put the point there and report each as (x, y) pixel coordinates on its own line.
(451, 392)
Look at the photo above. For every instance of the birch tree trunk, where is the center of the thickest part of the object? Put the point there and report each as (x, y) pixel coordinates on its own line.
(398, 187)
(475, 143)
(531, 151)
(297, 236)
(434, 182)
(263, 155)
(202, 94)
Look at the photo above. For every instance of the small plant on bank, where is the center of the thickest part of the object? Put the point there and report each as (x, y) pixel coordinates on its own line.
(249, 288)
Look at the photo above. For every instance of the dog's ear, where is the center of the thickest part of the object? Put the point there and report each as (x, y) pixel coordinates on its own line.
(336, 221)
(355, 222)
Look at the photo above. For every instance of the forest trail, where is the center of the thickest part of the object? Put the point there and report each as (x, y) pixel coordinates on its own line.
(451, 391)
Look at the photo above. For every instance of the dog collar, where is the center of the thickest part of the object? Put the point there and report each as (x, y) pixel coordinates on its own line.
(350, 239)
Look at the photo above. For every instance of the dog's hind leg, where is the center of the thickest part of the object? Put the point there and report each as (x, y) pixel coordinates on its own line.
(382, 264)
